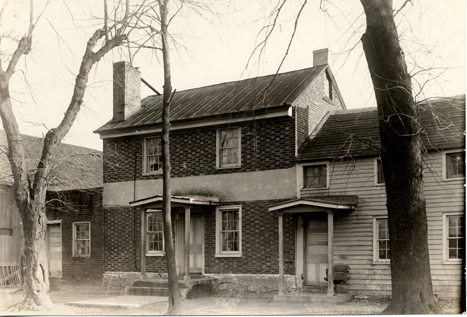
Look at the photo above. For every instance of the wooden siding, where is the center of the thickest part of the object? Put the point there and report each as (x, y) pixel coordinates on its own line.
(11, 246)
(353, 232)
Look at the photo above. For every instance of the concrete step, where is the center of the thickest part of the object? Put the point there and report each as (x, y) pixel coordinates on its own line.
(312, 298)
(154, 291)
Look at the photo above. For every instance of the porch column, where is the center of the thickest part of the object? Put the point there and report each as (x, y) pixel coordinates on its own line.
(281, 254)
(143, 244)
(299, 253)
(187, 242)
(330, 252)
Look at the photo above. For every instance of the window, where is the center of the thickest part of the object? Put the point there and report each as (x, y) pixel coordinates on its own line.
(328, 87)
(315, 176)
(6, 232)
(381, 251)
(229, 231)
(228, 148)
(379, 180)
(153, 156)
(82, 239)
(455, 165)
(155, 233)
(453, 237)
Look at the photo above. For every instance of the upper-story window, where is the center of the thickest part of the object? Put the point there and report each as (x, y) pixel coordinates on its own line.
(228, 148)
(379, 178)
(328, 87)
(152, 155)
(454, 165)
(315, 176)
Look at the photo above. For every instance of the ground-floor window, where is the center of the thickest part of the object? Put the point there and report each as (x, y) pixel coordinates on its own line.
(229, 231)
(82, 239)
(381, 250)
(453, 233)
(154, 233)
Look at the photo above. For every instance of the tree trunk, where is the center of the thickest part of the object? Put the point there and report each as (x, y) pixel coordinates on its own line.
(174, 295)
(402, 165)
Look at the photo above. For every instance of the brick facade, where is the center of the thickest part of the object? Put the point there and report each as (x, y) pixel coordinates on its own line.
(79, 206)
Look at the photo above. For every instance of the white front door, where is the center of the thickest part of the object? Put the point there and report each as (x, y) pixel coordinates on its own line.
(316, 249)
(54, 248)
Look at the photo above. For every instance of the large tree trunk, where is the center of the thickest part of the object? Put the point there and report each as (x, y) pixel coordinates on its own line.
(174, 295)
(402, 165)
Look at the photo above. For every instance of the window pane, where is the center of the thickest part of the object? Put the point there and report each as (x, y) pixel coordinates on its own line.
(153, 154)
(315, 176)
(380, 172)
(455, 165)
(155, 233)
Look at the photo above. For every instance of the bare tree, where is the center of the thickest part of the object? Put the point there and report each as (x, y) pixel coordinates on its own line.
(30, 192)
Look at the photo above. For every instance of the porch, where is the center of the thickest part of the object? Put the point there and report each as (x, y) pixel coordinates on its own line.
(314, 252)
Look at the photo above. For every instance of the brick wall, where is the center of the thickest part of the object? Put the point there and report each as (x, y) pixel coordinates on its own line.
(75, 206)
(260, 242)
(266, 144)
(312, 106)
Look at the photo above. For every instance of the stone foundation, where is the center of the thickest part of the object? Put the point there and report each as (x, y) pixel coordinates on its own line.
(238, 283)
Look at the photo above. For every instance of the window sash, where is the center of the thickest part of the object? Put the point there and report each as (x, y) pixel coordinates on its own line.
(154, 233)
(230, 230)
(382, 239)
(315, 176)
(153, 155)
(82, 239)
(379, 172)
(229, 147)
(455, 165)
(455, 236)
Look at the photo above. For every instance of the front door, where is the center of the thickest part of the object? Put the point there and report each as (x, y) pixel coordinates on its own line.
(316, 249)
(54, 248)
(196, 243)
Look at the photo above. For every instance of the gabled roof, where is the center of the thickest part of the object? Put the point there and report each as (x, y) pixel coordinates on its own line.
(341, 202)
(353, 133)
(226, 99)
(75, 167)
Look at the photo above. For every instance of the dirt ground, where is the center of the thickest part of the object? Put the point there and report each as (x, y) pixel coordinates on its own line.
(64, 291)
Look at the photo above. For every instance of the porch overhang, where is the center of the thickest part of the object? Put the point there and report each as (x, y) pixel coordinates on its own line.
(317, 204)
(188, 200)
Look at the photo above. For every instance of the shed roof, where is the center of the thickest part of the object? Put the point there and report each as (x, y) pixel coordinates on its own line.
(75, 167)
(237, 97)
(354, 133)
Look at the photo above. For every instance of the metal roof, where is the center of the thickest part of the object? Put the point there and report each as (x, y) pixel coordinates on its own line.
(237, 97)
(353, 133)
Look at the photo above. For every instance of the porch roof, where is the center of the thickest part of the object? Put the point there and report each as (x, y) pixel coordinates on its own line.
(316, 204)
(184, 200)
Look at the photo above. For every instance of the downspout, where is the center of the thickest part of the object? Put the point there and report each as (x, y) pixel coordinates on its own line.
(134, 215)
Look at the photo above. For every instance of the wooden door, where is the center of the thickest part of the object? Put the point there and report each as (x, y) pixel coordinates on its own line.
(316, 249)
(54, 242)
(196, 243)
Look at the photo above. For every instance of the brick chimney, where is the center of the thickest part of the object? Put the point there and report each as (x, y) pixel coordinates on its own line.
(126, 91)
(320, 57)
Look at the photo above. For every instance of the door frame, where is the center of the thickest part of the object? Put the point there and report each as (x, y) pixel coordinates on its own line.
(55, 222)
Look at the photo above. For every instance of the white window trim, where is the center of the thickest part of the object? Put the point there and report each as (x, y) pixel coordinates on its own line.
(74, 240)
(376, 172)
(219, 252)
(153, 253)
(445, 171)
(446, 259)
(145, 158)
(218, 149)
(315, 164)
(376, 259)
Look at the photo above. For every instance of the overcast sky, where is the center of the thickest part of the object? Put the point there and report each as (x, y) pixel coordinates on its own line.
(216, 50)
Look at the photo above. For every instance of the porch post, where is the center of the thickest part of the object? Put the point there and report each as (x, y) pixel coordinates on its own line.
(330, 252)
(143, 244)
(187, 242)
(281, 254)
(299, 253)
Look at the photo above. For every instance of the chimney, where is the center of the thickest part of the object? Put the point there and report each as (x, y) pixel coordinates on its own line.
(320, 57)
(126, 91)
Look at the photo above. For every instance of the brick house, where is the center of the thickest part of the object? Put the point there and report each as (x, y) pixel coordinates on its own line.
(74, 210)
(342, 201)
(233, 152)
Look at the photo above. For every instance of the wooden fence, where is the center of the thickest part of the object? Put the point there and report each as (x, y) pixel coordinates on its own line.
(10, 275)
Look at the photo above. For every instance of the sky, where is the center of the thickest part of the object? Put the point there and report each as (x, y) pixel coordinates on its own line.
(215, 48)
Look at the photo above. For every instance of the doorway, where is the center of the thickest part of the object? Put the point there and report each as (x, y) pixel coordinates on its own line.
(54, 249)
(196, 243)
(316, 249)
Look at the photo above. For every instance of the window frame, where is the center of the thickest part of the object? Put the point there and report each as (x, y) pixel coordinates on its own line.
(328, 90)
(219, 164)
(145, 156)
(445, 167)
(446, 259)
(146, 232)
(219, 252)
(74, 240)
(377, 180)
(376, 259)
(311, 165)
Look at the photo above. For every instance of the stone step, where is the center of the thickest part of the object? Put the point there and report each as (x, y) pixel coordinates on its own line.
(312, 298)
(153, 291)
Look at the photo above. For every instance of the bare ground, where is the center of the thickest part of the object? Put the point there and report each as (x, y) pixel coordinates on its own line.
(64, 291)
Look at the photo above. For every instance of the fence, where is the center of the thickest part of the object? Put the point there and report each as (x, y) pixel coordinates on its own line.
(10, 275)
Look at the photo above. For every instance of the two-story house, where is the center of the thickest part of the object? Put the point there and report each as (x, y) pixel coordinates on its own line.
(233, 155)
(340, 212)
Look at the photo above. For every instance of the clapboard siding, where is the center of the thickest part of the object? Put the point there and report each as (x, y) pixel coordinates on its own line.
(353, 232)
(11, 246)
